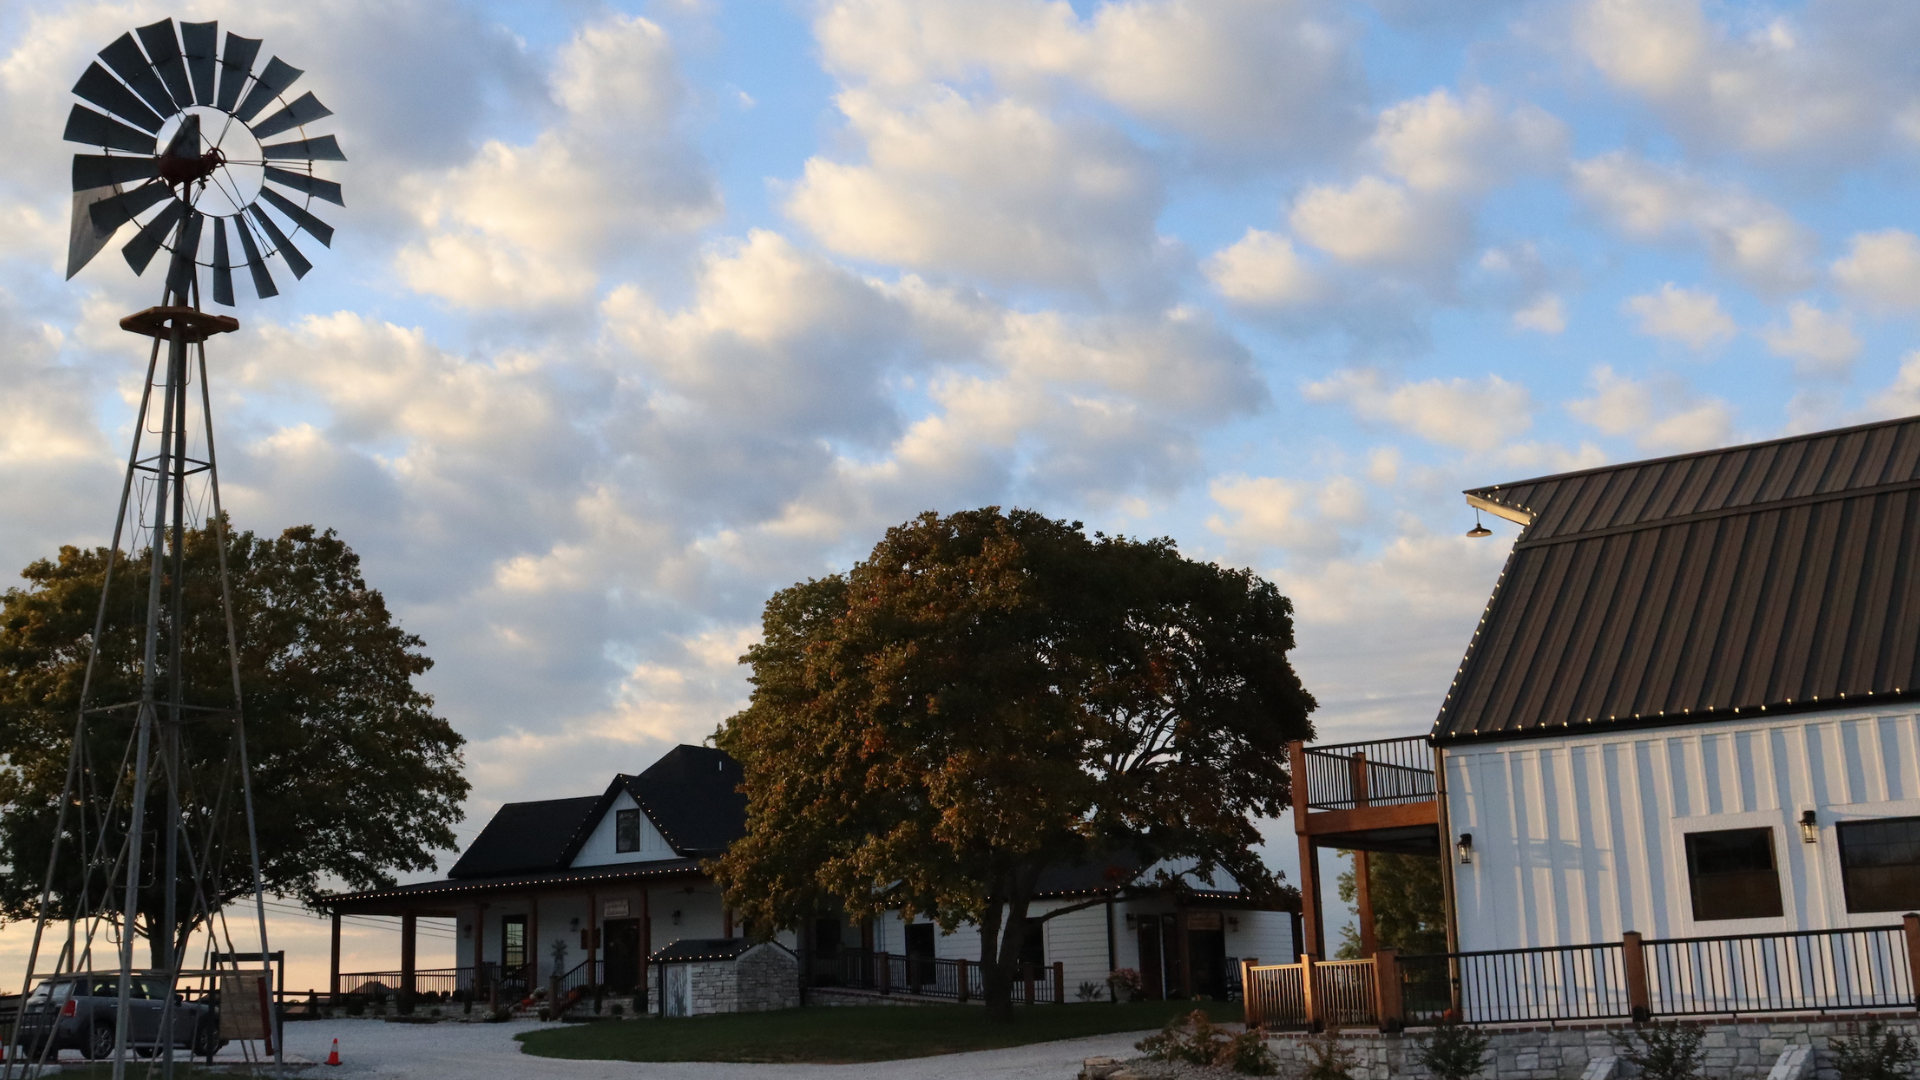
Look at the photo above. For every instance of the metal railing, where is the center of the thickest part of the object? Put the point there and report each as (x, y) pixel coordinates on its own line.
(1383, 772)
(1814, 970)
(1803, 971)
(428, 983)
(927, 976)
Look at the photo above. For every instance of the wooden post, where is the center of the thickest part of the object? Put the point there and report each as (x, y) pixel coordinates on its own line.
(481, 985)
(1633, 960)
(726, 922)
(1363, 903)
(533, 942)
(1059, 982)
(1912, 923)
(960, 973)
(1183, 951)
(646, 952)
(1310, 990)
(885, 978)
(1250, 1011)
(1316, 933)
(333, 971)
(1388, 1009)
(1028, 972)
(593, 941)
(409, 957)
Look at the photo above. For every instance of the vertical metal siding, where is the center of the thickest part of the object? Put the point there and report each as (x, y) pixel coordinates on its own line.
(1578, 838)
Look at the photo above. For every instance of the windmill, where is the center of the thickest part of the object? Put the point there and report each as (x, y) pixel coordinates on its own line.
(204, 157)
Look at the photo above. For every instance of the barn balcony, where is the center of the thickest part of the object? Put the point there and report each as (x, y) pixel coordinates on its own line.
(1378, 796)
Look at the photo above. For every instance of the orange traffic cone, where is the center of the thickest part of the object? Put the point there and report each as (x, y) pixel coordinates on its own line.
(333, 1057)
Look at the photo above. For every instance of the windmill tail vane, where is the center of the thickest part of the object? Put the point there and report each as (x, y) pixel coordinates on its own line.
(201, 155)
(216, 114)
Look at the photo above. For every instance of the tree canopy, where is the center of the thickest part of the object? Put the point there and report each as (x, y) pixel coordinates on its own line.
(354, 777)
(990, 695)
(1409, 905)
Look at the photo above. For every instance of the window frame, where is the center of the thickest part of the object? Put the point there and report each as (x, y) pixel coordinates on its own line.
(1846, 880)
(626, 831)
(1696, 892)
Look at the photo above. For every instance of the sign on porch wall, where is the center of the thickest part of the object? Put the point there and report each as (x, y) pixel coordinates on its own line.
(1203, 920)
(616, 909)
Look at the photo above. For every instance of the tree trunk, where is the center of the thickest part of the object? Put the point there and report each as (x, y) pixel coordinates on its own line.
(996, 987)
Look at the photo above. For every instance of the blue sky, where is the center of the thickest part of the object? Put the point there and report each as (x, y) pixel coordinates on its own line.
(640, 312)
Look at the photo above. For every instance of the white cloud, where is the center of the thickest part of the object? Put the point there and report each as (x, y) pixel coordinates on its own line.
(1816, 341)
(1744, 235)
(1882, 268)
(1476, 414)
(1380, 224)
(1692, 317)
(1547, 315)
(1901, 397)
(1441, 143)
(1661, 415)
(1262, 269)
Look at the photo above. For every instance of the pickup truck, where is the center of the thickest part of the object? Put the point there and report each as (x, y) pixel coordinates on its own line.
(76, 1012)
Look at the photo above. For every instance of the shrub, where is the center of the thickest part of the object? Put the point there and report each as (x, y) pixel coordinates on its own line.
(1128, 980)
(1332, 1059)
(356, 1007)
(1247, 1053)
(1090, 991)
(617, 1009)
(1664, 1052)
(1874, 1054)
(1455, 1051)
(1197, 1040)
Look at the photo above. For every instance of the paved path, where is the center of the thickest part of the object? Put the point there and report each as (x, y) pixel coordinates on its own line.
(370, 1048)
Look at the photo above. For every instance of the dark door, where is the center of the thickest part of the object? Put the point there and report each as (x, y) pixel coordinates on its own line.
(1207, 960)
(1150, 968)
(920, 953)
(622, 942)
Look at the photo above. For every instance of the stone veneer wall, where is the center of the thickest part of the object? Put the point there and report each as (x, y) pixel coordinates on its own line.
(712, 987)
(768, 978)
(1742, 1049)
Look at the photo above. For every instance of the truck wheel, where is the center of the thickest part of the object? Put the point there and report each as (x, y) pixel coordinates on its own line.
(206, 1041)
(100, 1042)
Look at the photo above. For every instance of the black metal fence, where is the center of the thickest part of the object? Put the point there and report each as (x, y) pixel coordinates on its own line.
(927, 976)
(1816, 969)
(1573, 982)
(1383, 772)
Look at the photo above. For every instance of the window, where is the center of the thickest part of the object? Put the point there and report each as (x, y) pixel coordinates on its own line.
(626, 830)
(513, 942)
(1732, 874)
(1880, 863)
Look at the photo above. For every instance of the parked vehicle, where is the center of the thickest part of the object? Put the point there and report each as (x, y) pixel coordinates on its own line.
(78, 1012)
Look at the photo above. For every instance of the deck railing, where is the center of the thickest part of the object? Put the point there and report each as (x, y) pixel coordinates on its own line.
(1383, 772)
(1808, 971)
(927, 976)
(428, 983)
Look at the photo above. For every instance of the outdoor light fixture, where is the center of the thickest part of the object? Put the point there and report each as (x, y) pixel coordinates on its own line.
(1809, 827)
(1479, 530)
(1465, 847)
(676, 918)
(1233, 923)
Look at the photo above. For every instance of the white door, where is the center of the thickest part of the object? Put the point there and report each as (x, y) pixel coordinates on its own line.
(679, 990)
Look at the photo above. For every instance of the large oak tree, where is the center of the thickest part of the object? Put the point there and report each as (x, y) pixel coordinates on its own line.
(989, 695)
(354, 777)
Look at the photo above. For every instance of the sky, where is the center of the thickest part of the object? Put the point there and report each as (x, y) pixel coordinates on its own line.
(637, 313)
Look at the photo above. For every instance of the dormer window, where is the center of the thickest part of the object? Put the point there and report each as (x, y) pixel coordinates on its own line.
(626, 830)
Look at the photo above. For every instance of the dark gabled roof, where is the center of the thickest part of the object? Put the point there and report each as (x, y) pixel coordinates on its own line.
(585, 875)
(1763, 577)
(694, 950)
(528, 837)
(692, 796)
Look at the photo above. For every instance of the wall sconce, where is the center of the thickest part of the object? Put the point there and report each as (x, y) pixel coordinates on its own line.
(573, 923)
(1465, 848)
(1233, 923)
(466, 930)
(676, 918)
(1809, 827)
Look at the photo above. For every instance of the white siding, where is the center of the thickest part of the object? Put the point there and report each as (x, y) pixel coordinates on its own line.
(1577, 839)
(599, 848)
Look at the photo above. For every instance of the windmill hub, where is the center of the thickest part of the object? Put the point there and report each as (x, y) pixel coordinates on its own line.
(178, 169)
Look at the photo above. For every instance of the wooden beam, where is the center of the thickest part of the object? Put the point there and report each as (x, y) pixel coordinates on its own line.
(333, 971)
(1363, 903)
(409, 958)
(593, 936)
(1362, 819)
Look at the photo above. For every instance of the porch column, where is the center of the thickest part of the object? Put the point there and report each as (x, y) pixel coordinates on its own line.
(1315, 931)
(593, 935)
(646, 949)
(533, 942)
(1182, 951)
(333, 969)
(409, 957)
(1363, 904)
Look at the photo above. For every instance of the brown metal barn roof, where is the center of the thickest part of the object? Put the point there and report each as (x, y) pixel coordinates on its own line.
(1769, 576)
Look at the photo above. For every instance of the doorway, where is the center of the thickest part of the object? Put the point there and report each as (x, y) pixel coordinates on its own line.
(622, 940)
(920, 953)
(1153, 985)
(1207, 956)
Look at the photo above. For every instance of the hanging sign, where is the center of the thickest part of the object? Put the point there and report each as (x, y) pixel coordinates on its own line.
(617, 909)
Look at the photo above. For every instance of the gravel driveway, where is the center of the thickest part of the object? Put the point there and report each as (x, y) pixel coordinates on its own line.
(489, 1052)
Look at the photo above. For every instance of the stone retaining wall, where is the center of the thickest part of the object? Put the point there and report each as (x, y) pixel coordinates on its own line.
(1742, 1049)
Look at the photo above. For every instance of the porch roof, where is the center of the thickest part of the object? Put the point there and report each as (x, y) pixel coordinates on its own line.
(446, 897)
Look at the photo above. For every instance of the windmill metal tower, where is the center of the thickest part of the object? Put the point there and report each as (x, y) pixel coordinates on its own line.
(158, 796)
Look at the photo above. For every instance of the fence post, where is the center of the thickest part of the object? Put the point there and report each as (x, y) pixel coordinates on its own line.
(1633, 961)
(886, 972)
(1250, 1013)
(1387, 1005)
(1912, 923)
(1059, 982)
(960, 974)
(1310, 990)
(1029, 972)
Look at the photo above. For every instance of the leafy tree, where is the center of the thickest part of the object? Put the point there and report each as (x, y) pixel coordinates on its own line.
(1664, 1051)
(1409, 906)
(1877, 1053)
(1455, 1051)
(354, 777)
(989, 695)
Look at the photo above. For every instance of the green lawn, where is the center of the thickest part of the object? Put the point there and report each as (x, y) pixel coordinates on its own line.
(854, 1033)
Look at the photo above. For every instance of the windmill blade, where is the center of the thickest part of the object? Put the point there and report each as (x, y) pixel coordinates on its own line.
(297, 214)
(186, 139)
(140, 250)
(202, 40)
(86, 239)
(236, 67)
(323, 148)
(222, 267)
(87, 126)
(312, 185)
(278, 76)
(262, 281)
(182, 270)
(303, 111)
(128, 62)
(295, 261)
(106, 91)
(110, 214)
(104, 170)
(164, 49)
